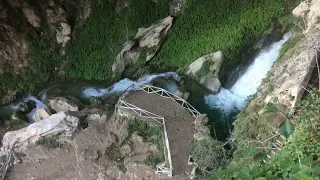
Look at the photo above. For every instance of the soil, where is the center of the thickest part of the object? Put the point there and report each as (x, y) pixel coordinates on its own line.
(179, 124)
(103, 151)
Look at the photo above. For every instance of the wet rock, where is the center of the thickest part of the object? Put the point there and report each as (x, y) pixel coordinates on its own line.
(212, 83)
(146, 43)
(206, 70)
(23, 107)
(62, 104)
(17, 117)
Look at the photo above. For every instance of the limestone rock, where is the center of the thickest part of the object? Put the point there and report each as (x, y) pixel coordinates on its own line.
(201, 129)
(147, 42)
(40, 114)
(55, 124)
(309, 12)
(289, 77)
(206, 69)
(176, 6)
(62, 104)
(212, 83)
(63, 34)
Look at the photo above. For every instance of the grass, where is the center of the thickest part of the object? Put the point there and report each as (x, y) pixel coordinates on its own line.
(150, 133)
(211, 25)
(49, 142)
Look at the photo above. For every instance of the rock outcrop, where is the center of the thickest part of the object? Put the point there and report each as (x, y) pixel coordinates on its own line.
(144, 46)
(61, 104)
(309, 12)
(206, 70)
(16, 141)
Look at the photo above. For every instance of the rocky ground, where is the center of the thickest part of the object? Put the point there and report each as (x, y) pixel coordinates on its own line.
(90, 155)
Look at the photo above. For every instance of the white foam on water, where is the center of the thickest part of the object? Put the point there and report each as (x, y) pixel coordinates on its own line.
(232, 100)
(124, 84)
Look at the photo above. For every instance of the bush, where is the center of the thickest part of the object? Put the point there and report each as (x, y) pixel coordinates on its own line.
(299, 158)
(209, 155)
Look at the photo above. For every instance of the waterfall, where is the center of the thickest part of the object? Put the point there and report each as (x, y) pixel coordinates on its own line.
(230, 100)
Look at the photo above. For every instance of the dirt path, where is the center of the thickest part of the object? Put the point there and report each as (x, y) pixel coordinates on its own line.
(179, 125)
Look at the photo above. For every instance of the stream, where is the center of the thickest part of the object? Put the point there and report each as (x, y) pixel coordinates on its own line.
(221, 108)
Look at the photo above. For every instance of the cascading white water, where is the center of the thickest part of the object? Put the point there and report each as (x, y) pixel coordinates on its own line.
(116, 88)
(123, 84)
(233, 100)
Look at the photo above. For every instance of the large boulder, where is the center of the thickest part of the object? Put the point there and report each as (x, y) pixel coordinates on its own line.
(61, 104)
(206, 70)
(59, 123)
(145, 45)
(310, 13)
(17, 141)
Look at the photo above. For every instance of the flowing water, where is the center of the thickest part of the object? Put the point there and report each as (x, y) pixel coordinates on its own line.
(220, 108)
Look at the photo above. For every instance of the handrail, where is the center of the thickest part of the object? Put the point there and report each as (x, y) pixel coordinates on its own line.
(150, 115)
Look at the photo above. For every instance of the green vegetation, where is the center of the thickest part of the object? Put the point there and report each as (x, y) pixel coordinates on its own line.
(209, 155)
(93, 47)
(204, 70)
(92, 52)
(154, 160)
(150, 133)
(49, 142)
(210, 25)
(299, 158)
(288, 45)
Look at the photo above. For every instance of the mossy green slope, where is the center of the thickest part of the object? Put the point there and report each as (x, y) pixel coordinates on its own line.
(211, 25)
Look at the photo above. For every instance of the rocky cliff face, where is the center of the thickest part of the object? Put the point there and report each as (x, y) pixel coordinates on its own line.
(25, 22)
(283, 87)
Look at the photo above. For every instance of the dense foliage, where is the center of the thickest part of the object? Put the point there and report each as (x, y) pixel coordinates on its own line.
(211, 25)
(299, 158)
(96, 44)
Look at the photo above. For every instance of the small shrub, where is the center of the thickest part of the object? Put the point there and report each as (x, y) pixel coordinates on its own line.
(149, 133)
(209, 155)
(49, 142)
(153, 160)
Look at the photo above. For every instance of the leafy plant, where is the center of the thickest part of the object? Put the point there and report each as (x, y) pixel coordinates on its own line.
(299, 158)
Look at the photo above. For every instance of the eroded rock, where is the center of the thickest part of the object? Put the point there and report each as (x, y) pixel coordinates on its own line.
(206, 70)
(60, 104)
(146, 42)
(310, 13)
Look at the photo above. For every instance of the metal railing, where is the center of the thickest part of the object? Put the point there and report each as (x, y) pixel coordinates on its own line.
(167, 94)
(161, 169)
